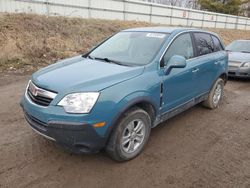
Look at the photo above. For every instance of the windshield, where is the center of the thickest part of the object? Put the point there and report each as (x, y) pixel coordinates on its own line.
(130, 48)
(239, 46)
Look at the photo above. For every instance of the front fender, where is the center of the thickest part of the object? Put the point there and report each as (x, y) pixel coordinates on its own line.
(131, 100)
(115, 100)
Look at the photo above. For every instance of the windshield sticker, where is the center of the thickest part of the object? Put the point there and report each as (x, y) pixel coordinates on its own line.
(156, 35)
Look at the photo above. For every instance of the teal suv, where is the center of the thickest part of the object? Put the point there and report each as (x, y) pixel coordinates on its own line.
(111, 97)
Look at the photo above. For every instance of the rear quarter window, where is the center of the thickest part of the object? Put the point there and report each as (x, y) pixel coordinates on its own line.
(204, 43)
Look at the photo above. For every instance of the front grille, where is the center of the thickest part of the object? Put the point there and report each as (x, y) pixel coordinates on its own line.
(43, 101)
(38, 126)
(243, 74)
(231, 66)
(34, 121)
(39, 96)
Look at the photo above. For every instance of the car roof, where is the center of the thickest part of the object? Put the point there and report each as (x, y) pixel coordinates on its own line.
(163, 29)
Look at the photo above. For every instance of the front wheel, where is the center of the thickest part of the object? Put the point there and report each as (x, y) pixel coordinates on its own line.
(130, 135)
(215, 95)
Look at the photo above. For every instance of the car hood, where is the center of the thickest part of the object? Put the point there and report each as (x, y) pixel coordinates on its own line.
(239, 57)
(81, 74)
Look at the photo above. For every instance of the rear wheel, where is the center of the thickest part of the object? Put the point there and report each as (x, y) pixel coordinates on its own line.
(215, 95)
(130, 136)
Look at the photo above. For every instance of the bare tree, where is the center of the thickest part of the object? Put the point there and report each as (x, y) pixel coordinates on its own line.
(193, 4)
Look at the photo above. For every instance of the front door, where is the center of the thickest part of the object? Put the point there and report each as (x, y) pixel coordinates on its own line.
(179, 86)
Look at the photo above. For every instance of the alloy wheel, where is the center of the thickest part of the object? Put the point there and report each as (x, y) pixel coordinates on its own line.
(217, 94)
(133, 136)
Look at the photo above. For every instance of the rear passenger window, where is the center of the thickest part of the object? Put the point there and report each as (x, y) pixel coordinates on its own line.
(204, 43)
(181, 46)
(217, 44)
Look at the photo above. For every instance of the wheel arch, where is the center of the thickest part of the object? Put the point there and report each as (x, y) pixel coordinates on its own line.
(146, 106)
(143, 102)
(224, 76)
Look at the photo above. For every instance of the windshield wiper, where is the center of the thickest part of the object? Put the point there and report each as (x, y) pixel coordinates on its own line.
(244, 52)
(110, 61)
(90, 57)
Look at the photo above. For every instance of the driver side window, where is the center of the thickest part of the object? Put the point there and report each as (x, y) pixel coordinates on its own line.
(182, 46)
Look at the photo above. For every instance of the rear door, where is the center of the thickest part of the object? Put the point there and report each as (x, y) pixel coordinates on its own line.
(207, 60)
(221, 56)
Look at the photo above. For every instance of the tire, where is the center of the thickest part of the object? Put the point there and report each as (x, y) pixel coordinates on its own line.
(215, 95)
(128, 131)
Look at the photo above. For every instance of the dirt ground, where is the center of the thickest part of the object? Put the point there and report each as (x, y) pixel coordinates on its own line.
(198, 148)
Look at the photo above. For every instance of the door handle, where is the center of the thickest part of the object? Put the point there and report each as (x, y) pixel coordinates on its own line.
(195, 70)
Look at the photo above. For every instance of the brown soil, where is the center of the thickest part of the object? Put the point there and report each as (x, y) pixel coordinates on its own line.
(28, 42)
(198, 148)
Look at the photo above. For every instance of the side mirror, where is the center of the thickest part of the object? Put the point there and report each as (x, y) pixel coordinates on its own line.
(175, 61)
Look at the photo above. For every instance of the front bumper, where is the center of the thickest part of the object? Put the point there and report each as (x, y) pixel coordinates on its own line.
(76, 136)
(239, 72)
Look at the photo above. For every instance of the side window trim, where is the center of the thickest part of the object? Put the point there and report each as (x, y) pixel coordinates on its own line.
(167, 48)
(213, 43)
(194, 45)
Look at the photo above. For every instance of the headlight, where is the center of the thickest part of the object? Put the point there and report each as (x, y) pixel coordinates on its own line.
(79, 102)
(246, 65)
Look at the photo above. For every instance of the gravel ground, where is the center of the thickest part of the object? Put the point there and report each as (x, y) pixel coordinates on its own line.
(198, 148)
